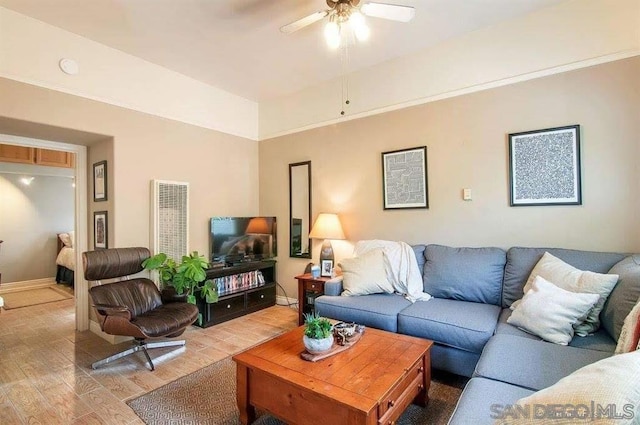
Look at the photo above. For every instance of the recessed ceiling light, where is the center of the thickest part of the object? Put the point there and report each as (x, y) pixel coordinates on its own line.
(69, 66)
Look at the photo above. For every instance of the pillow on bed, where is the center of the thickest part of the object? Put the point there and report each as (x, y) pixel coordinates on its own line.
(67, 239)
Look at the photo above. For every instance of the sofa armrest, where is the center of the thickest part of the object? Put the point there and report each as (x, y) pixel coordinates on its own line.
(333, 286)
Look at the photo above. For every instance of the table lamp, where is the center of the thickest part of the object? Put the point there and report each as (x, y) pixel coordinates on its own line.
(327, 226)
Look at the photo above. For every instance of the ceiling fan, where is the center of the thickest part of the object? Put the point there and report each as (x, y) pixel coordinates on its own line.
(349, 11)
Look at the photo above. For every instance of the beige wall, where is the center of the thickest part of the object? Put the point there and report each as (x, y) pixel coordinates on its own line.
(467, 139)
(222, 169)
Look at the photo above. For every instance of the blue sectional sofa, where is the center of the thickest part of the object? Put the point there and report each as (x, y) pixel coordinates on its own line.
(472, 290)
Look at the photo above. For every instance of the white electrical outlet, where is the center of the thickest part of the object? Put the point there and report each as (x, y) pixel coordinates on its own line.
(466, 194)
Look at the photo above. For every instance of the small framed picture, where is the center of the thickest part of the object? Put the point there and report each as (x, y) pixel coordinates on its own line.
(544, 167)
(100, 230)
(100, 181)
(326, 268)
(404, 179)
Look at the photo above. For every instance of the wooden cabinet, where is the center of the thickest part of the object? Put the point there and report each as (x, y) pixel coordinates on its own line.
(242, 289)
(36, 156)
(309, 288)
(19, 154)
(54, 158)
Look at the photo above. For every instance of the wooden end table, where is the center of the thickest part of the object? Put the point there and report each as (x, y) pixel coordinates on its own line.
(309, 288)
(372, 382)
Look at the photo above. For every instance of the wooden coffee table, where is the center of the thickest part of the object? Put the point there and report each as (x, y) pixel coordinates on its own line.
(372, 382)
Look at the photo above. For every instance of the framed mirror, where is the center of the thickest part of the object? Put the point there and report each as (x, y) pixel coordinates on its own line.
(300, 209)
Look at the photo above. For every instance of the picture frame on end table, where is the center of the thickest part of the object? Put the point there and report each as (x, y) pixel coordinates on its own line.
(544, 167)
(100, 230)
(100, 181)
(326, 268)
(404, 179)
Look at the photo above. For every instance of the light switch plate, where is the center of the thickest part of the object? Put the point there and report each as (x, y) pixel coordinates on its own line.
(466, 194)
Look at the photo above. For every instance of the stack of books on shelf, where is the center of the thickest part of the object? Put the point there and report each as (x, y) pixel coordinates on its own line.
(238, 282)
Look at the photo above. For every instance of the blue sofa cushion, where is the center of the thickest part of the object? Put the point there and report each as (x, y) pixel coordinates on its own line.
(598, 341)
(419, 251)
(459, 324)
(466, 274)
(531, 364)
(624, 295)
(521, 261)
(376, 310)
(483, 401)
(452, 360)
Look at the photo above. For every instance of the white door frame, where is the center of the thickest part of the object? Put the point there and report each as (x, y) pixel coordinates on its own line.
(81, 286)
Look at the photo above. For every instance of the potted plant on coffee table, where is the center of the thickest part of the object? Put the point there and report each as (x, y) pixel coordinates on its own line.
(318, 333)
(186, 278)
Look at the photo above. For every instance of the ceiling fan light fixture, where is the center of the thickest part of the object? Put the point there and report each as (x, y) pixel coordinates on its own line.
(359, 26)
(332, 34)
(393, 12)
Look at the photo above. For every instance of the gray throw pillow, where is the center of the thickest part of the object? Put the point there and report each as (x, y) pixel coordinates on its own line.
(623, 297)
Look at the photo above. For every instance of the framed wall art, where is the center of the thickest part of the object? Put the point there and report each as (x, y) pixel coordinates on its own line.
(404, 178)
(100, 181)
(100, 230)
(544, 167)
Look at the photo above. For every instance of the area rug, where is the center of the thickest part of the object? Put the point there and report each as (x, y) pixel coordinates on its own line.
(34, 297)
(208, 396)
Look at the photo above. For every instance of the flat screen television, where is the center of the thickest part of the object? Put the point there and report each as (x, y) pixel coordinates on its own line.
(239, 239)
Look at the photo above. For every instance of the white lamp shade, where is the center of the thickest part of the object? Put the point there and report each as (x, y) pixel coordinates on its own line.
(327, 226)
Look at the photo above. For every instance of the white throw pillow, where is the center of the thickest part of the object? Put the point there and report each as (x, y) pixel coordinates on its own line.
(550, 312)
(630, 335)
(568, 277)
(604, 392)
(365, 274)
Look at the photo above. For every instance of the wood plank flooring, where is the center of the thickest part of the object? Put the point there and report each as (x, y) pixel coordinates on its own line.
(45, 365)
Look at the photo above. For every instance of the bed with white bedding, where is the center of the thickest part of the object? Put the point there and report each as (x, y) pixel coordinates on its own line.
(66, 258)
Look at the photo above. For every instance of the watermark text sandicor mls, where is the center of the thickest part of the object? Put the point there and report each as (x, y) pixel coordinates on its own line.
(584, 412)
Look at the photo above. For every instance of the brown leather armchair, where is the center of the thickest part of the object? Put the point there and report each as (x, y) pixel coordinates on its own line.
(133, 307)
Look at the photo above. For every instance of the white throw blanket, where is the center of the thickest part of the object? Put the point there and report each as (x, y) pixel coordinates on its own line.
(401, 267)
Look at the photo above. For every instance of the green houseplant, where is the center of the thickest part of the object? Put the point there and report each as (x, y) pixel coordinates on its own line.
(318, 333)
(186, 277)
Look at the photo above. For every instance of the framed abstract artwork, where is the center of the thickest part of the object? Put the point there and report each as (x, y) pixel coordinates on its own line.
(404, 178)
(544, 167)
(100, 231)
(100, 181)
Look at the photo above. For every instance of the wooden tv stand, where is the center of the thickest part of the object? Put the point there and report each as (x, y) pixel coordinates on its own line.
(243, 295)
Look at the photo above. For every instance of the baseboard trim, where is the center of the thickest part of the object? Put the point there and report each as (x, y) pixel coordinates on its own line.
(286, 301)
(113, 339)
(9, 287)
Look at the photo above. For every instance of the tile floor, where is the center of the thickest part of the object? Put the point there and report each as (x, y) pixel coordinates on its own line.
(45, 365)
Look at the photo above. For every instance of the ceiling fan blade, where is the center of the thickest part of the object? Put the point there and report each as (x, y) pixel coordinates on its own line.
(301, 23)
(394, 12)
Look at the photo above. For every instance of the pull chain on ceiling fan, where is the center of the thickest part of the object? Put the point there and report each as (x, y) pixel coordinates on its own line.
(349, 12)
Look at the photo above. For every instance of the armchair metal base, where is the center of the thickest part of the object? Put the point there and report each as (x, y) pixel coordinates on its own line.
(141, 345)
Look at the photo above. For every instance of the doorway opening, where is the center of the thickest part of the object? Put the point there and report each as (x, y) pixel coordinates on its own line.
(79, 222)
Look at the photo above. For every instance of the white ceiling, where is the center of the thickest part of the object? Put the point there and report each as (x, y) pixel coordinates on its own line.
(236, 45)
